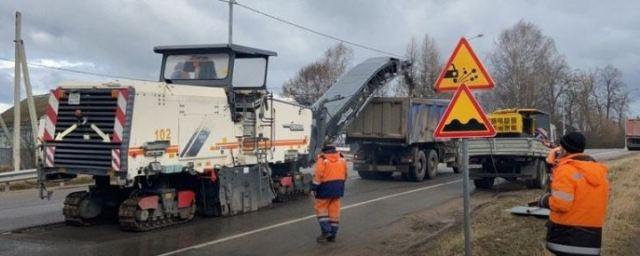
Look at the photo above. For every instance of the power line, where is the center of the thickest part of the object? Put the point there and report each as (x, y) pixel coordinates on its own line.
(313, 30)
(79, 71)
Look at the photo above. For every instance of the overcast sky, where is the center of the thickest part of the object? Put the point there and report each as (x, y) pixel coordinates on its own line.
(117, 37)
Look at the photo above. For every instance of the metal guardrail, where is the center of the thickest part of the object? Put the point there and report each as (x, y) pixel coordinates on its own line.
(8, 177)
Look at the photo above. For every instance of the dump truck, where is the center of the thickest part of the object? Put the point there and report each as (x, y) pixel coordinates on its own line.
(207, 138)
(518, 151)
(632, 134)
(395, 135)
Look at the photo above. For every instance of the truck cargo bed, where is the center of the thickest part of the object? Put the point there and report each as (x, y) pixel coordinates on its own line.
(507, 147)
(397, 119)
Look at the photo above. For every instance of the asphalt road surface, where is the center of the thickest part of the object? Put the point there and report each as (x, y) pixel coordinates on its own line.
(33, 227)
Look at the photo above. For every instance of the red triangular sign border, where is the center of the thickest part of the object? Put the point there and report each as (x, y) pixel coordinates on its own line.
(484, 72)
(439, 133)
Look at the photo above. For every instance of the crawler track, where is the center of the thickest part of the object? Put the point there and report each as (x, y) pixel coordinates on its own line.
(129, 222)
(71, 209)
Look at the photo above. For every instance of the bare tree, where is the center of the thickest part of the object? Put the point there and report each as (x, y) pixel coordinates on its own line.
(596, 103)
(611, 88)
(530, 73)
(527, 68)
(553, 85)
(419, 78)
(429, 67)
(408, 83)
(313, 80)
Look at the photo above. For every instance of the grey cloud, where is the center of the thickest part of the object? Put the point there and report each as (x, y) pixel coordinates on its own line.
(118, 36)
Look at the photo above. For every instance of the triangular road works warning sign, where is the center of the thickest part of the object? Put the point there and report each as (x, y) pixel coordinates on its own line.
(463, 67)
(464, 118)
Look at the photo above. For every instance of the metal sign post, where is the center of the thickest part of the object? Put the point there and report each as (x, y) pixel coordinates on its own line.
(467, 196)
(464, 117)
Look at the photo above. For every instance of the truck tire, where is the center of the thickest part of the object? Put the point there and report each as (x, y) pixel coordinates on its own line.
(542, 177)
(456, 169)
(484, 183)
(432, 164)
(419, 168)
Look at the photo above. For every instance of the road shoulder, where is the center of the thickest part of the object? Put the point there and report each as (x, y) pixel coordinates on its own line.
(438, 231)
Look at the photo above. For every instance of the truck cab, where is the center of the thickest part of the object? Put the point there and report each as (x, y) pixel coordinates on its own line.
(632, 134)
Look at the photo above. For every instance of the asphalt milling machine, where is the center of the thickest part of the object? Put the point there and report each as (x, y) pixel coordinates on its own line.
(208, 138)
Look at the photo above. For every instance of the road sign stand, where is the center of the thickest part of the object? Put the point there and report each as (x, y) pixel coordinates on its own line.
(464, 117)
(466, 196)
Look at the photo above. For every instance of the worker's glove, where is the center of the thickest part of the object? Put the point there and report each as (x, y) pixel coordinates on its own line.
(543, 202)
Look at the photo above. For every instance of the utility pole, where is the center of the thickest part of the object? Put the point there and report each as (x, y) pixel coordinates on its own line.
(231, 2)
(27, 88)
(16, 96)
(21, 70)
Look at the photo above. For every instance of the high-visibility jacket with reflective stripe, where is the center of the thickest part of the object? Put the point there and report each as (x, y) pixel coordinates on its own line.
(578, 203)
(329, 175)
(579, 192)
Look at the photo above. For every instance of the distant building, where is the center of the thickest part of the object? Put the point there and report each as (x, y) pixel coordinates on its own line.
(6, 154)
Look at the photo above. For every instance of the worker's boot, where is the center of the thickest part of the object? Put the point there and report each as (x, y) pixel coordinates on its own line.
(323, 238)
(331, 238)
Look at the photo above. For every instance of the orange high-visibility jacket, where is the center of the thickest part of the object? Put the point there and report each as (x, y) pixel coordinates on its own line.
(329, 175)
(579, 192)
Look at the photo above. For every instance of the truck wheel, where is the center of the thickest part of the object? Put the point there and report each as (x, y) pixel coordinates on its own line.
(456, 169)
(419, 168)
(542, 177)
(484, 183)
(432, 164)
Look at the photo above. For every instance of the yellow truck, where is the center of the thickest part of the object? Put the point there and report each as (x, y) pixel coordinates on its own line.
(524, 137)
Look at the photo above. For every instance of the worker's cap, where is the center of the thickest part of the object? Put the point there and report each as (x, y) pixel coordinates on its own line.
(329, 149)
(573, 142)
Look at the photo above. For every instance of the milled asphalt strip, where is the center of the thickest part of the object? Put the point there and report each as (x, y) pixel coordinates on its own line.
(225, 239)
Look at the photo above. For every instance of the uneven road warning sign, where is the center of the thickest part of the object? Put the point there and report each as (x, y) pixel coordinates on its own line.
(463, 67)
(464, 118)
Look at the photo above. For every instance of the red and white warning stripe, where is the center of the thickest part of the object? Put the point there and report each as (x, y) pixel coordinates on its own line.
(115, 159)
(49, 156)
(119, 123)
(118, 126)
(51, 117)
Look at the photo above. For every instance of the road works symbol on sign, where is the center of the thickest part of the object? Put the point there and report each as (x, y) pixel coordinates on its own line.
(464, 118)
(463, 67)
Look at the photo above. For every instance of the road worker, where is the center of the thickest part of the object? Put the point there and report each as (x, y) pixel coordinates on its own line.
(328, 186)
(578, 199)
